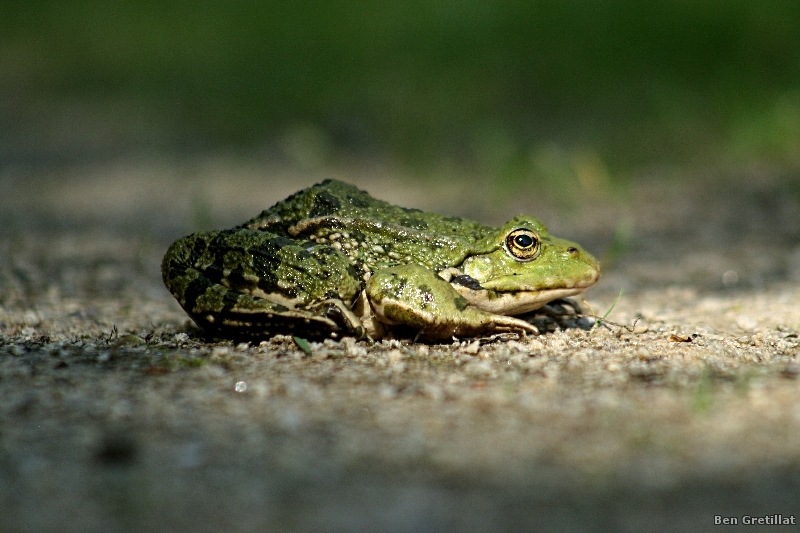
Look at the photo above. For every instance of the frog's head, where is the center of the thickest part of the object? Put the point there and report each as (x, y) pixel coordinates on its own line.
(523, 268)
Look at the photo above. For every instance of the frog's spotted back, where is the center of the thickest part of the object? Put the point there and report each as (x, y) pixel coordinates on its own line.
(310, 265)
(336, 199)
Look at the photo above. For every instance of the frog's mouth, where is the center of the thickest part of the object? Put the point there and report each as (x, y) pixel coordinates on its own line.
(514, 302)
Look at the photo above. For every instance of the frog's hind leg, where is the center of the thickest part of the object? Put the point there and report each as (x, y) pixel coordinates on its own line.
(223, 312)
(226, 313)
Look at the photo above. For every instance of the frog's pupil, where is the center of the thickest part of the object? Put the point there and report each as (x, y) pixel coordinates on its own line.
(523, 241)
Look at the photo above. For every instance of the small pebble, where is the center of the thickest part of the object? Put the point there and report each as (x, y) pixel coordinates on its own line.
(746, 322)
(472, 348)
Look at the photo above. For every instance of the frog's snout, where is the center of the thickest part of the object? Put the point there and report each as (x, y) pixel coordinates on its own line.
(591, 266)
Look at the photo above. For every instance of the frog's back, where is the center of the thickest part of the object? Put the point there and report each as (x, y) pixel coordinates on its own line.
(332, 198)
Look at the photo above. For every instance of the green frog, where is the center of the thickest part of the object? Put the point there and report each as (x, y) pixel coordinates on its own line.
(331, 260)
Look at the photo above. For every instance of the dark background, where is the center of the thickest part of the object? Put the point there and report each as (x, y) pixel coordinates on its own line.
(533, 90)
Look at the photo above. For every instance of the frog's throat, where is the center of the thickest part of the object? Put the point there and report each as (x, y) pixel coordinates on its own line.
(513, 303)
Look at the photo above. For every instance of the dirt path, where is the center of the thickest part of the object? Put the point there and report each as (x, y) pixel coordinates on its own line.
(116, 416)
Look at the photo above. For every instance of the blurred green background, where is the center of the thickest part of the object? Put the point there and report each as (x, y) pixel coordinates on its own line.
(503, 88)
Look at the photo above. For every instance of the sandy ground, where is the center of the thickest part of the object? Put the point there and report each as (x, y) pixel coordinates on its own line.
(116, 415)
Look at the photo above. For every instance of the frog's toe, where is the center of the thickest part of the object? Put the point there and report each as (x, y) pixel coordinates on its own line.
(334, 307)
(503, 324)
(478, 324)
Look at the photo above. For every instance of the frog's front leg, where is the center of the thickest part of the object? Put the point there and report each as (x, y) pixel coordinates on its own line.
(415, 296)
(247, 283)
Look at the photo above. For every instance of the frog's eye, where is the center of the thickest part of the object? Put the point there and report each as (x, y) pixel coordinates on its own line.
(523, 244)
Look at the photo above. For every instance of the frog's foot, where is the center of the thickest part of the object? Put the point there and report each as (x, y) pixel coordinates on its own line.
(561, 314)
(562, 307)
(415, 296)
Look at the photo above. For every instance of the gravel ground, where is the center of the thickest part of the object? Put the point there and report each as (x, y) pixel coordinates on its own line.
(117, 415)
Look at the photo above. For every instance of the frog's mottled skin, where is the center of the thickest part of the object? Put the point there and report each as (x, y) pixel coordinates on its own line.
(331, 260)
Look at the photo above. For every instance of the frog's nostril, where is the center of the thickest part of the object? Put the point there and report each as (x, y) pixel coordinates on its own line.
(572, 250)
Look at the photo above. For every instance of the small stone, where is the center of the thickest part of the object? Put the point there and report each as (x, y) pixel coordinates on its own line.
(398, 368)
(387, 392)
(220, 351)
(472, 348)
(746, 322)
(351, 349)
(535, 345)
(514, 345)
(395, 356)
(479, 369)
(730, 278)
(791, 371)
(433, 392)
(16, 349)
(30, 318)
(321, 355)
(131, 340)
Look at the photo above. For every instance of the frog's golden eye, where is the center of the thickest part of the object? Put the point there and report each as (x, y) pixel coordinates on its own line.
(523, 244)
